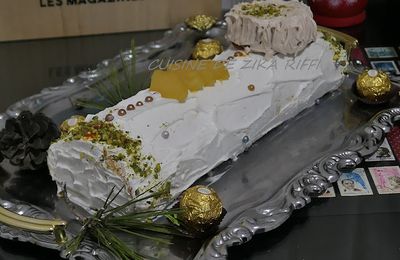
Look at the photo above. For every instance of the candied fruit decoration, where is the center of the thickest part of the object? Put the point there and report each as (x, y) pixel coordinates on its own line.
(179, 66)
(191, 80)
(168, 84)
(206, 72)
(220, 71)
(187, 76)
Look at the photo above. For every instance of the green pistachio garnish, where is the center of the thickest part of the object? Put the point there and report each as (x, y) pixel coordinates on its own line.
(259, 10)
(335, 45)
(119, 157)
(157, 169)
(165, 189)
(97, 131)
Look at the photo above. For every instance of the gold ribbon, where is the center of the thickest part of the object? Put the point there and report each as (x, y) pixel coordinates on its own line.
(32, 224)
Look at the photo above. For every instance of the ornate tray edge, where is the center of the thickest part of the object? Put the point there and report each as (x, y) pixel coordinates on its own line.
(263, 218)
(298, 192)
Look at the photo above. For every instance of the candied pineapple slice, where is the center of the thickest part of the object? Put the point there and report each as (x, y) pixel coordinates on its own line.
(220, 71)
(190, 75)
(209, 71)
(192, 80)
(168, 84)
(207, 78)
(179, 66)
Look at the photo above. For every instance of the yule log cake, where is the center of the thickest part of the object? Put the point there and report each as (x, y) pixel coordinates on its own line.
(196, 115)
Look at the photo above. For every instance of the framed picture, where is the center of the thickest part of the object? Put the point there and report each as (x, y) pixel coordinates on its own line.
(354, 183)
(386, 179)
(386, 66)
(330, 193)
(381, 52)
(384, 153)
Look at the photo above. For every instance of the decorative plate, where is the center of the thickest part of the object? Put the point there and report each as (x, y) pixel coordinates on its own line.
(277, 175)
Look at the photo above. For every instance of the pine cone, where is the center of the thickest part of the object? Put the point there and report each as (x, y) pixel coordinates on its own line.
(25, 139)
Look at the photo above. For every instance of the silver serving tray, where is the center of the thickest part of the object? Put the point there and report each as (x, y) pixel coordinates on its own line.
(278, 174)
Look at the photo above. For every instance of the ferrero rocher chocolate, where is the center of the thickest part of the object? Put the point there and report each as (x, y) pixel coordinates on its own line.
(201, 207)
(71, 122)
(200, 22)
(373, 85)
(207, 49)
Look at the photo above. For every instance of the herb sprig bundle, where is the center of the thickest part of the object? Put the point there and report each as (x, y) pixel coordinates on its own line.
(107, 222)
(115, 88)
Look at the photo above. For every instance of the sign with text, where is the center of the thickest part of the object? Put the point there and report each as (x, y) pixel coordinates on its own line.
(32, 19)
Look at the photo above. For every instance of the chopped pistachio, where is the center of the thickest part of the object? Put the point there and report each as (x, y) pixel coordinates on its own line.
(335, 45)
(119, 157)
(259, 10)
(97, 131)
(165, 190)
(157, 169)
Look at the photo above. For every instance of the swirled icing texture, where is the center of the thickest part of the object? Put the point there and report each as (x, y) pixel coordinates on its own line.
(288, 33)
(207, 129)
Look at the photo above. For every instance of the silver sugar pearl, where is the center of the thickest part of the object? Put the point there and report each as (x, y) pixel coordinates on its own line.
(109, 117)
(165, 134)
(245, 139)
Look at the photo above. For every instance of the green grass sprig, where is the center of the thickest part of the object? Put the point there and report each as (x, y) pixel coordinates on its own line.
(107, 222)
(119, 85)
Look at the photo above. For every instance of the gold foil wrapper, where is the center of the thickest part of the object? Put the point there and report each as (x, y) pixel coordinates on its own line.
(200, 22)
(201, 207)
(70, 123)
(374, 85)
(207, 49)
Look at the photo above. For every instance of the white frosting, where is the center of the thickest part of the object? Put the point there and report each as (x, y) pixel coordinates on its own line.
(206, 130)
(289, 33)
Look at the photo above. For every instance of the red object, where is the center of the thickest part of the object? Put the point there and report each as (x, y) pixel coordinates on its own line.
(338, 13)
(394, 141)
